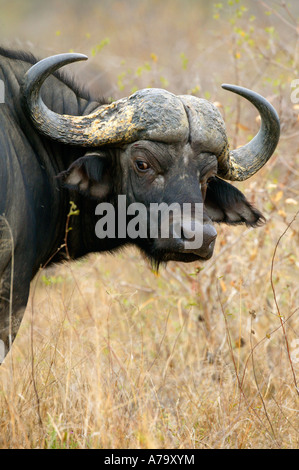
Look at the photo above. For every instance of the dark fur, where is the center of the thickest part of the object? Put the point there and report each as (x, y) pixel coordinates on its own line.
(226, 197)
(64, 78)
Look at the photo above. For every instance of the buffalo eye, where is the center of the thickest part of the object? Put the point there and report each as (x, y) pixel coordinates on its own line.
(141, 165)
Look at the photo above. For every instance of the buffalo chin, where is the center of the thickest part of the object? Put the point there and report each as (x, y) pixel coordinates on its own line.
(163, 257)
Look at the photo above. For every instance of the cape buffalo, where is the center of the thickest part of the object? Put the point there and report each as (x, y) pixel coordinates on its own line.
(60, 145)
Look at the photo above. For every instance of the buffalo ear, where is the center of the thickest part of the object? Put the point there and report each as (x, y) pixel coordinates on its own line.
(89, 175)
(225, 203)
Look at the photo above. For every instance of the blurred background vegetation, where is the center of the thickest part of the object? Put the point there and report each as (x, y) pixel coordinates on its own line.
(111, 355)
(185, 46)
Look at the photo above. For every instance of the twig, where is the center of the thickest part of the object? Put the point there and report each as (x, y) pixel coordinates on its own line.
(276, 302)
(257, 384)
(285, 7)
(290, 25)
(73, 211)
(148, 290)
(238, 100)
(263, 339)
(240, 383)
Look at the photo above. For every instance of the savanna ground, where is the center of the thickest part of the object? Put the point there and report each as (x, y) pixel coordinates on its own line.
(111, 355)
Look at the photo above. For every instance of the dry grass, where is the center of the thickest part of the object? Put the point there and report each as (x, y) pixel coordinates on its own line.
(123, 358)
(110, 355)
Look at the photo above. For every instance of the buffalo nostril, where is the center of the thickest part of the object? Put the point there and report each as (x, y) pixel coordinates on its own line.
(209, 234)
(196, 235)
(190, 230)
(209, 240)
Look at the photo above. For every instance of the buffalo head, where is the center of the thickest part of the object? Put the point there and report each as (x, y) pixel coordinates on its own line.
(156, 147)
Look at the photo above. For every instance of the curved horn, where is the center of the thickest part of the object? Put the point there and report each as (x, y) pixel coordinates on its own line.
(245, 161)
(74, 130)
(151, 113)
(49, 123)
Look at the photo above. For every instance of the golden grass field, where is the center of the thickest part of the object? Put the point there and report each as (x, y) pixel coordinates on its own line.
(112, 355)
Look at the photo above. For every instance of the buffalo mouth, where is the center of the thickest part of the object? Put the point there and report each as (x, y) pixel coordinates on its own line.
(159, 255)
(184, 257)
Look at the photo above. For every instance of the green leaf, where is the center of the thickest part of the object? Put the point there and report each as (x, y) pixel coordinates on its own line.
(96, 49)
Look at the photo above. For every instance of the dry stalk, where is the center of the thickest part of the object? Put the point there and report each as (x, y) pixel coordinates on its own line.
(282, 321)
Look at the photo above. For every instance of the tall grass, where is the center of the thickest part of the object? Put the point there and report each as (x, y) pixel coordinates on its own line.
(111, 355)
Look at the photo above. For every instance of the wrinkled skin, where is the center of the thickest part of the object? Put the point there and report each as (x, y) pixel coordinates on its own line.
(34, 202)
(155, 172)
